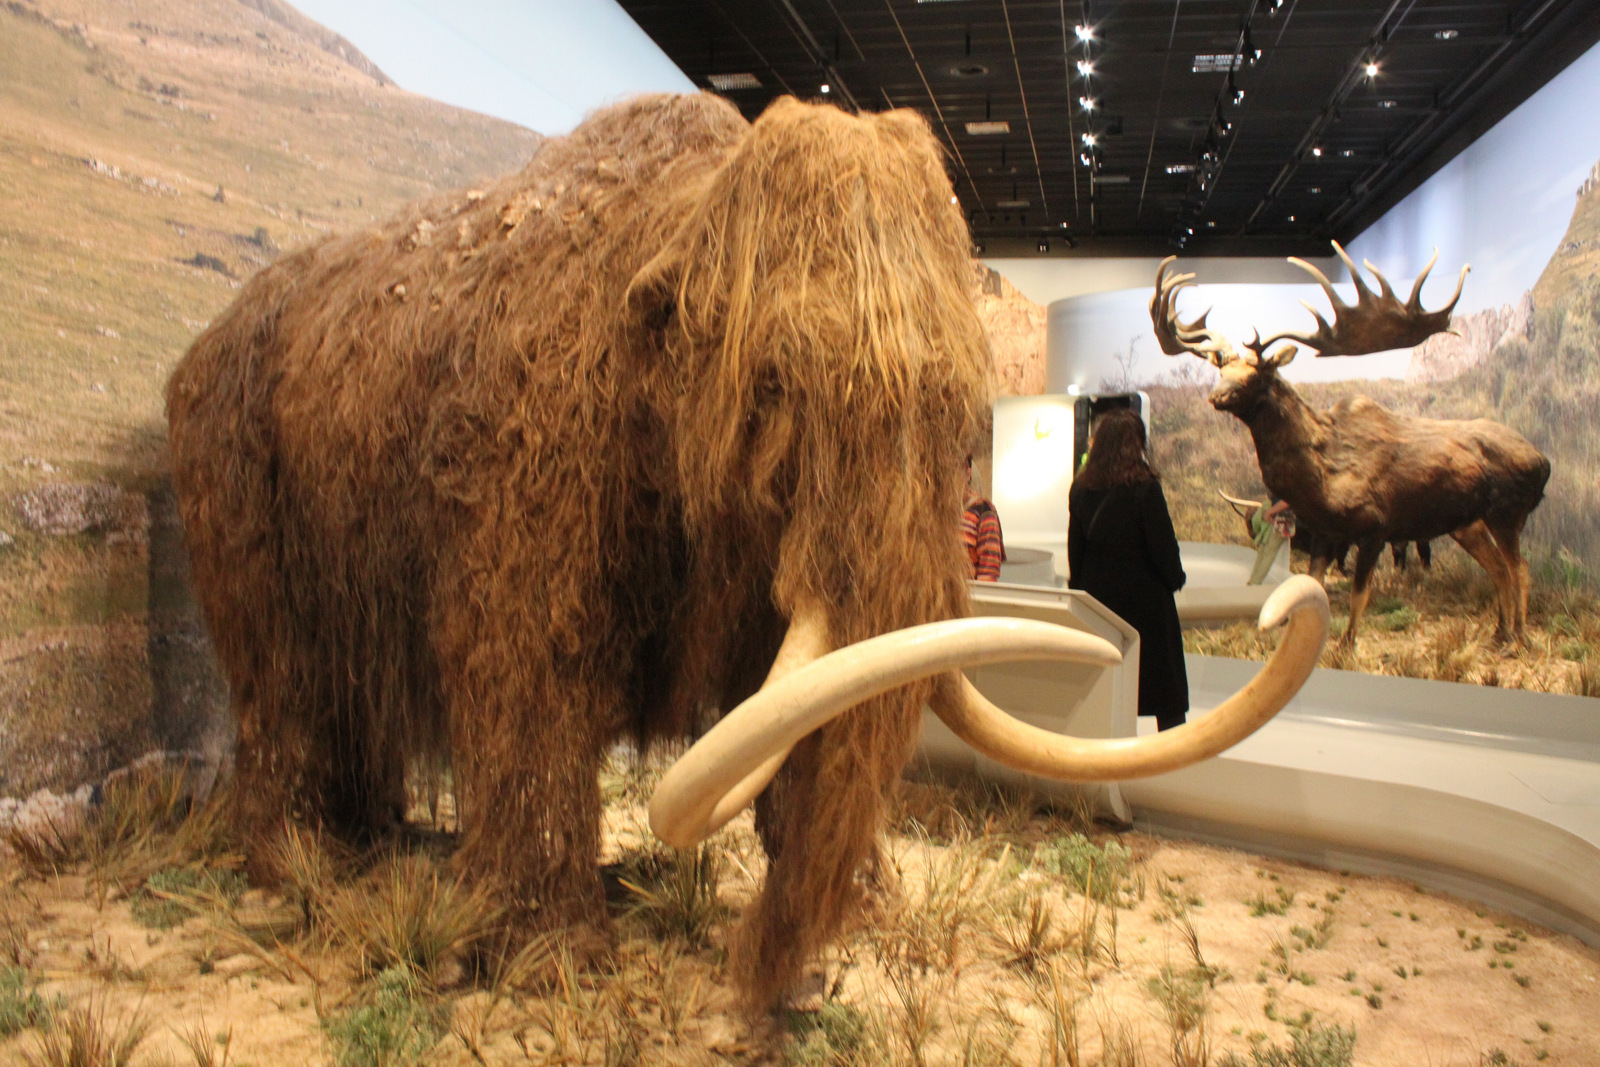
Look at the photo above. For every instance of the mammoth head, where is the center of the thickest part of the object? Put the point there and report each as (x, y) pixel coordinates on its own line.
(824, 364)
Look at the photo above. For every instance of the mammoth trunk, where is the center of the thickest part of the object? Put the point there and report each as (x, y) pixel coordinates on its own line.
(887, 568)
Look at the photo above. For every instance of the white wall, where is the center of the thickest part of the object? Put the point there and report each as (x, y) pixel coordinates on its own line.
(1044, 280)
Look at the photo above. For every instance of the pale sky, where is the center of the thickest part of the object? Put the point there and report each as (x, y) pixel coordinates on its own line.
(542, 64)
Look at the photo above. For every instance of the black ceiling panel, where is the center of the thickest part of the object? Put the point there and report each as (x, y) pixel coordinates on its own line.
(1313, 148)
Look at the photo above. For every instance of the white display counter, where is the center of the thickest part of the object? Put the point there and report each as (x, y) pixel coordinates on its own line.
(1490, 794)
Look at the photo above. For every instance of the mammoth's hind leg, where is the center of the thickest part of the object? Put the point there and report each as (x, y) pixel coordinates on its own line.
(1481, 546)
(529, 729)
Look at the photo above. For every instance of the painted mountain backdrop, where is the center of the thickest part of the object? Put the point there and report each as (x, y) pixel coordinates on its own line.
(152, 156)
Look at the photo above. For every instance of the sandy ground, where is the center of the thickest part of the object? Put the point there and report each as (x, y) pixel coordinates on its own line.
(942, 973)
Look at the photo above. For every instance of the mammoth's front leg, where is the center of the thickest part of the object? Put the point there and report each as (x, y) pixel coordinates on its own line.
(819, 822)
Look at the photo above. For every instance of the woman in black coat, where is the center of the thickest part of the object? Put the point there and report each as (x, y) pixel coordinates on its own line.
(1121, 549)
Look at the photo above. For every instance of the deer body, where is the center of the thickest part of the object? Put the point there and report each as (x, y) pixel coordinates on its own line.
(1360, 474)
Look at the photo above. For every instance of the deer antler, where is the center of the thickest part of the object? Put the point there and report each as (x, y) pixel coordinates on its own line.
(1177, 336)
(1377, 322)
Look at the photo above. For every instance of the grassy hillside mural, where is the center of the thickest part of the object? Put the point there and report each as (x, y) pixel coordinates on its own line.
(152, 156)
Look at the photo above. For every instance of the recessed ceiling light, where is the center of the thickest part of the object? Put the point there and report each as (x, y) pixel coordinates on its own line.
(1386, 103)
(1446, 35)
(825, 89)
(1088, 139)
(1088, 103)
(1215, 62)
(1347, 153)
(1180, 168)
(1372, 70)
(955, 200)
(1317, 151)
(1085, 67)
(1291, 218)
(1211, 225)
(740, 80)
(988, 128)
(1085, 33)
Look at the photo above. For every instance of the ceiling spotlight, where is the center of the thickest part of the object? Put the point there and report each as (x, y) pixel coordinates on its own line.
(1211, 225)
(1044, 244)
(955, 200)
(1235, 93)
(1347, 153)
(1085, 68)
(1065, 225)
(1088, 103)
(1180, 168)
(1372, 70)
(1085, 158)
(1316, 189)
(1088, 139)
(1251, 52)
(977, 248)
(1085, 33)
(1386, 104)
(1446, 35)
(1317, 151)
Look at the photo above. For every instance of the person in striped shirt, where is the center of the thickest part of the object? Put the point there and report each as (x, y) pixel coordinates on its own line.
(980, 531)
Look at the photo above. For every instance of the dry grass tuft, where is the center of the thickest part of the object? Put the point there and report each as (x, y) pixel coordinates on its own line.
(406, 914)
(675, 892)
(208, 1049)
(147, 820)
(91, 1036)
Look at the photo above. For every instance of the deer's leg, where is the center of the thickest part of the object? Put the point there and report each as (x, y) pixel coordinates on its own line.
(1367, 556)
(1318, 568)
(1508, 537)
(1481, 546)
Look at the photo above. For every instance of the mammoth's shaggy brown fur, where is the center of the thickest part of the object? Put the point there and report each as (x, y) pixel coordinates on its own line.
(528, 470)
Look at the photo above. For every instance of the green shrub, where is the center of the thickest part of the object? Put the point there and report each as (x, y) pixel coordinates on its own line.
(168, 896)
(836, 1036)
(1099, 871)
(21, 1006)
(1312, 1046)
(396, 1029)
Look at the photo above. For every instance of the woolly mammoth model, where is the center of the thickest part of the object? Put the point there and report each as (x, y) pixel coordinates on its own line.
(1359, 474)
(586, 456)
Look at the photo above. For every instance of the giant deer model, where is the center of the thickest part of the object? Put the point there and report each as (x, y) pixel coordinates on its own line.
(1358, 473)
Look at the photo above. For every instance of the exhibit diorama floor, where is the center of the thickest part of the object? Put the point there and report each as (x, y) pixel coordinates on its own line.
(1001, 934)
(1439, 624)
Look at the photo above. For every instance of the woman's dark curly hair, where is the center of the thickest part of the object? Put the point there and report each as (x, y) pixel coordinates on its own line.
(1117, 454)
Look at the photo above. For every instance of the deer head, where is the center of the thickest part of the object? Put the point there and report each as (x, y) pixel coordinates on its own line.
(1376, 322)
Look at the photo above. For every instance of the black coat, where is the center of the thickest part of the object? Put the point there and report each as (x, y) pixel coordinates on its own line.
(1122, 550)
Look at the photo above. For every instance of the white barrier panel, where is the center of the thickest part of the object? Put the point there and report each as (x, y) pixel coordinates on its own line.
(1074, 698)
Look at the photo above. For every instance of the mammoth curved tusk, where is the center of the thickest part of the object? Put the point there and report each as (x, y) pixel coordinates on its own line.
(718, 770)
(804, 643)
(1300, 602)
